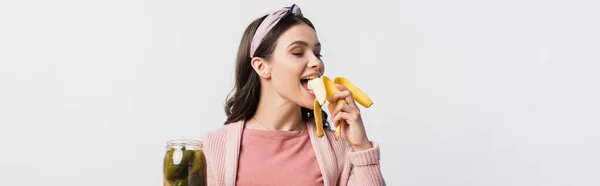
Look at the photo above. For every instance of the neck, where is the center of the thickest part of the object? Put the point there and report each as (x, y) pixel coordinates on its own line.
(276, 113)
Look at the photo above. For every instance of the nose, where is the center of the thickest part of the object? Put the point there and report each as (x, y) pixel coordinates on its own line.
(314, 62)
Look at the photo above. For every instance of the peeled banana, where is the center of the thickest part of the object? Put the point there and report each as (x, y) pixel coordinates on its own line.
(324, 89)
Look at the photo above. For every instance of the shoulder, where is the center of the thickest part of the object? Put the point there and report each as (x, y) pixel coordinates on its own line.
(214, 146)
(217, 138)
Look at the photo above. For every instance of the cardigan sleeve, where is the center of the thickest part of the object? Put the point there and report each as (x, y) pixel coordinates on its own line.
(365, 169)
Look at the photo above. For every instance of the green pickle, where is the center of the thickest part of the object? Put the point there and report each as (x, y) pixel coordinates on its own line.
(190, 171)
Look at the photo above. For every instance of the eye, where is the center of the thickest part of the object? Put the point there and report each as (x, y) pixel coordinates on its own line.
(298, 54)
(318, 55)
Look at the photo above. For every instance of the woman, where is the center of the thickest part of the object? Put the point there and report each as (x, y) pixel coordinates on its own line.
(269, 135)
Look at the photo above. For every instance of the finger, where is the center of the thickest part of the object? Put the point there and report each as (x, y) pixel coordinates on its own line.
(337, 119)
(335, 110)
(349, 97)
(340, 95)
(344, 117)
(341, 87)
(330, 108)
(342, 108)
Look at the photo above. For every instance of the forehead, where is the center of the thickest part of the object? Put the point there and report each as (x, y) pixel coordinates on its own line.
(299, 32)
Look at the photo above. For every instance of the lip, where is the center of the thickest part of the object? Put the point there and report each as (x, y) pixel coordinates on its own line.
(305, 84)
(309, 92)
(312, 74)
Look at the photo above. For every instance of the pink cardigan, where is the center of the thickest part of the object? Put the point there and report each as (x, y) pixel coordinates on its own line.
(338, 163)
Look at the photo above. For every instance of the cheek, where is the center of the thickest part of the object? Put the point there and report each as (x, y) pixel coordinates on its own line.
(288, 71)
(286, 77)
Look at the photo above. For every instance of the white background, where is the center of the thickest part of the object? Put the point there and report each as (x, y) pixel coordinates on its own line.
(466, 92)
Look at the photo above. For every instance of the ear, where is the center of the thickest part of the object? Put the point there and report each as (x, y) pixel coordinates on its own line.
(261, 67)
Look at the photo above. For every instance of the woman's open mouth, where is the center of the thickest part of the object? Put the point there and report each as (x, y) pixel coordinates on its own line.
(304, 83)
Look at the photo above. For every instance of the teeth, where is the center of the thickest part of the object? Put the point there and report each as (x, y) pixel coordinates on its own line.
(309, 78)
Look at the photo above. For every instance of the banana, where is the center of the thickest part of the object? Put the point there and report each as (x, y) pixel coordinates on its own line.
(357, 94)
(330, 90)
(324, 89)
(318, 84)
(319, 121)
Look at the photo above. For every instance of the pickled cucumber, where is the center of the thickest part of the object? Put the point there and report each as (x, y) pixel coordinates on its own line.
(191, 170)
(177, 171)
(180, 183)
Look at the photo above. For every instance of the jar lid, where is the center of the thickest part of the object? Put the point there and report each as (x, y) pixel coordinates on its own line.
(187, 143)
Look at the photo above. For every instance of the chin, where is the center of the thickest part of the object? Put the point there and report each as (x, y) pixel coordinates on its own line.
(308, 103)
(308, 106)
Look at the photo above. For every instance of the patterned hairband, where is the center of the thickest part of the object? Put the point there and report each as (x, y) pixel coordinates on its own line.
(270, 21)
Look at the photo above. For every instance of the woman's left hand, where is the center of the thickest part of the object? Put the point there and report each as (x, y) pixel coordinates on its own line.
(348, 115)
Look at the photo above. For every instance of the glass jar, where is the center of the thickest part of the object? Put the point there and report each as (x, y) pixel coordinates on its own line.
(184, 163)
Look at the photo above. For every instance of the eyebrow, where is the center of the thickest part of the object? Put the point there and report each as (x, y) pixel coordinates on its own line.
(303, 43)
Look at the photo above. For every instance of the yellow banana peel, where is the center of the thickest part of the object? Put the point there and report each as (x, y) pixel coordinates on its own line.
(324, 89)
